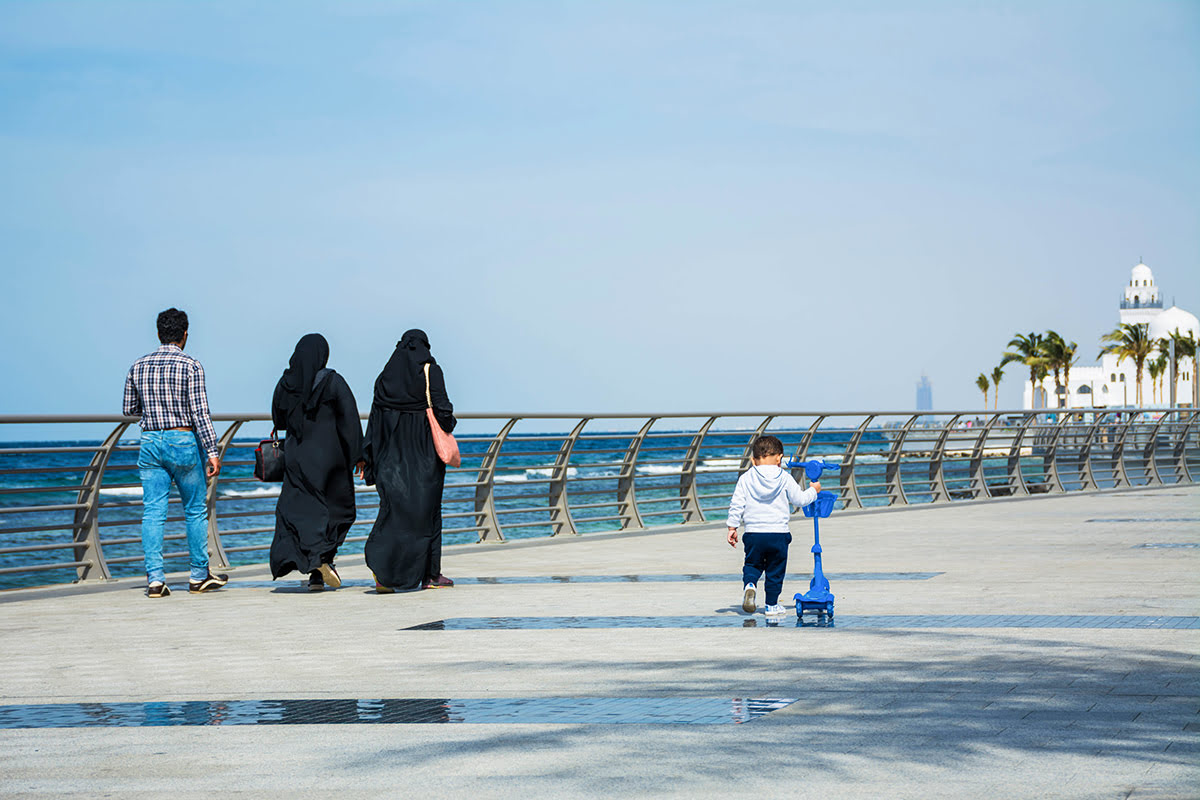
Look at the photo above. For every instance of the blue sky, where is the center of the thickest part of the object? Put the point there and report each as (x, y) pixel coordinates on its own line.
(588, 206)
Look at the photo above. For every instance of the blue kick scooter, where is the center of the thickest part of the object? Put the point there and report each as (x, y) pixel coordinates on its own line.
(818, 597)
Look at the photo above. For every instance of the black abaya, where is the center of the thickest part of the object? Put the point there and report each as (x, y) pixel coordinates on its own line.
(404, 549)
(316, 504)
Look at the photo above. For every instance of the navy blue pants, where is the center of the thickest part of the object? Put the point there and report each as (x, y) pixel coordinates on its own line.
(766, 553)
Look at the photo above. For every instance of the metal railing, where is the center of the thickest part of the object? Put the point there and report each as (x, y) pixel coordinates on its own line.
(72, 510)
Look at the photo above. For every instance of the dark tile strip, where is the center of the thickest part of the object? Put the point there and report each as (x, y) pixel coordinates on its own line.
(1145, 519)
(853, 621)
(1165, 545)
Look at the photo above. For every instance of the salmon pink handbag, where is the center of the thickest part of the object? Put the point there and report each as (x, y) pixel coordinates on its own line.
(444, 443)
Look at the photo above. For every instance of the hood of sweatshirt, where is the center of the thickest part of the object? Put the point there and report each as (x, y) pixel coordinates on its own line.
(764, 482)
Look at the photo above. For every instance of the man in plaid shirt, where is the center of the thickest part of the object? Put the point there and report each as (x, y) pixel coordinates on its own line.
(166, 389)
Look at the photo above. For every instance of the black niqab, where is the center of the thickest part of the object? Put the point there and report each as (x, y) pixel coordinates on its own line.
(298, 392)
(401, 385)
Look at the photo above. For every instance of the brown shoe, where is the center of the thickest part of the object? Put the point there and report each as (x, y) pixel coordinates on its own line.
(440, 582)
(329, 574)
(211, 583)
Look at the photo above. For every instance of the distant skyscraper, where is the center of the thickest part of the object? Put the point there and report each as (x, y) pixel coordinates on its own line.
(924, 394)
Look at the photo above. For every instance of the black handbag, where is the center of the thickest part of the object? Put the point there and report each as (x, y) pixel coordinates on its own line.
(268, 460)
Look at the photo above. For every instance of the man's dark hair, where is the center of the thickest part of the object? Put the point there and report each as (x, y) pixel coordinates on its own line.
(172, 325)
(767, 446)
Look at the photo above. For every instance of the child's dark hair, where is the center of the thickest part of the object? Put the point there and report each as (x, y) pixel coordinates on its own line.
(767, 446)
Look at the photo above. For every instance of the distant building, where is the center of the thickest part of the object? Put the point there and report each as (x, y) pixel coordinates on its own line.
(1113, 384)
(924, 394)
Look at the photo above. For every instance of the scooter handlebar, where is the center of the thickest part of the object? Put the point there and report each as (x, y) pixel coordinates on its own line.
(813, 468)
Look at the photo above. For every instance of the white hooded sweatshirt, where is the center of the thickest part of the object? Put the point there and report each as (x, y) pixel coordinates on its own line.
(764, 497)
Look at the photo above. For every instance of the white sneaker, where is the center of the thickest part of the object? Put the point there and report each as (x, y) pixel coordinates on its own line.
(748, 603)
(776, 610)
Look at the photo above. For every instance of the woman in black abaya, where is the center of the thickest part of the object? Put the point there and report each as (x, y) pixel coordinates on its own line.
(404, 550)
(324, 438)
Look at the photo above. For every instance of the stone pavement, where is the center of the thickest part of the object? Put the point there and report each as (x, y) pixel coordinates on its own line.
(1034, 703)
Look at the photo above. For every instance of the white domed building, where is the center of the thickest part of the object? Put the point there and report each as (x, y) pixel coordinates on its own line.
(1113, 384)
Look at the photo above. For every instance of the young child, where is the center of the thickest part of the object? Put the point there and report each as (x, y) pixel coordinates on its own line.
(763, 498)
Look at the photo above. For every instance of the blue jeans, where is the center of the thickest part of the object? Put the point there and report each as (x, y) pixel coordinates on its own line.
(766, 553)
(167, 456)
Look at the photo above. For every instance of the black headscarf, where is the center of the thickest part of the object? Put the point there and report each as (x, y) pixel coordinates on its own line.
(297, 392)
(401, 385)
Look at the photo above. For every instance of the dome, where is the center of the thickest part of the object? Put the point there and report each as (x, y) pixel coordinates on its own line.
(1174, 317)
(1141, 273)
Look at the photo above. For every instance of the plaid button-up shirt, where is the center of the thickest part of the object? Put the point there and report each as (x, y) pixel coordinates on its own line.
(166, 388)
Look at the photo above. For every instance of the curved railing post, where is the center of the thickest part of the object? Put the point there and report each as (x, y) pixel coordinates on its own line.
(1087, 476)
(847, 480)
(978, 481)
(892, 477)
(216, 550)
(748, 450)
(689, 503)
(1181, 465)
(1120, 469)
(560, 511)
(627, 481)
(1110, 436)
(1016, 479)
(937, 465)
(805, 442)
(485, 487)
(1151, 450)
(1052, 454)
(86, 530)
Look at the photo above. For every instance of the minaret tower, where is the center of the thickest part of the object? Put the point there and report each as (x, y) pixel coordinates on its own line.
(1142, 301)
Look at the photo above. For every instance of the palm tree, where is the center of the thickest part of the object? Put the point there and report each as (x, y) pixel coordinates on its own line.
(982, 383)
(1156, 368)
(1069, 357)
(1060, 355)
(1039, 376)
(1028, 351)
(1185, 347)
(1053, 349)
(997, 374)
(1130, 340)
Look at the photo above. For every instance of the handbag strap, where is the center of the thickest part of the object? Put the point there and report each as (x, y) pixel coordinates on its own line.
(428, 396)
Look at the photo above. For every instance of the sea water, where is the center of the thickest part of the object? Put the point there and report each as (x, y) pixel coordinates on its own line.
(522, 482)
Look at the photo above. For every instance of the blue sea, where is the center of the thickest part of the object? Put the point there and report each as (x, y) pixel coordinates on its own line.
(245, 507)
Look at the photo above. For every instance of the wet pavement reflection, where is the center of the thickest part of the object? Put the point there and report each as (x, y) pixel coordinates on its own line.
(291, 584)
(526, 710)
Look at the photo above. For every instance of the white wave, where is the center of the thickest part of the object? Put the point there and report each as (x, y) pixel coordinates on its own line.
(128, 491)
(548, 472)
(262, 491)
(535, 474)
(660, 469)
(718, 464)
